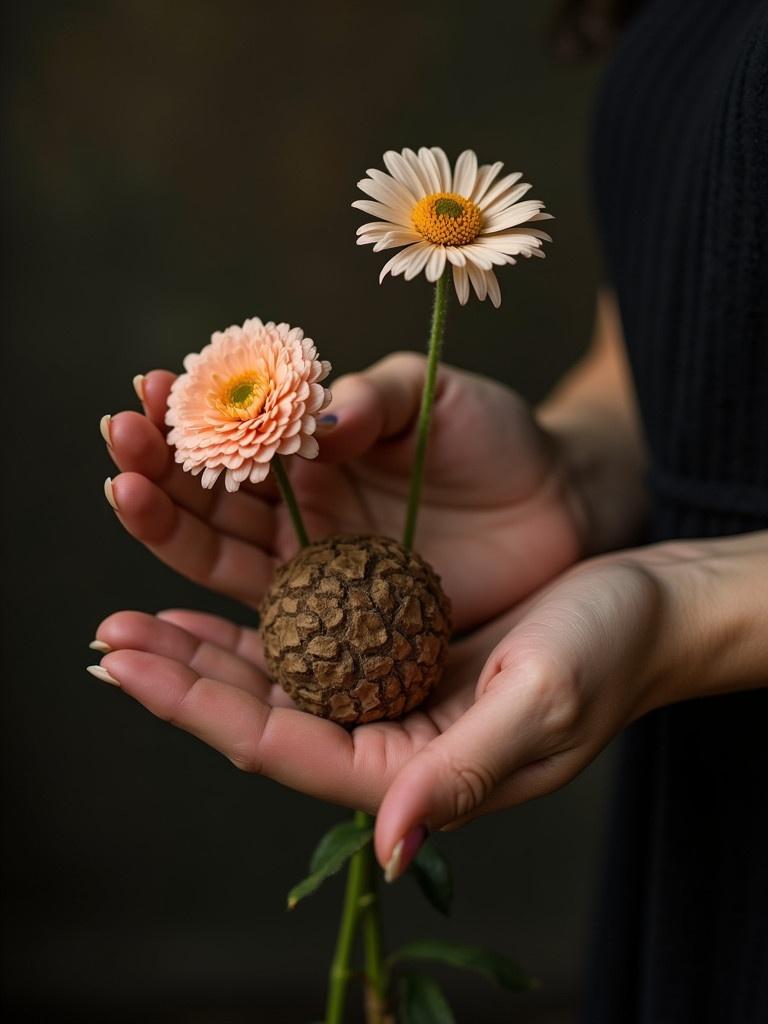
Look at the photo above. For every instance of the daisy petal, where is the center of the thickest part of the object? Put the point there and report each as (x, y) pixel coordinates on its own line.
(494, 293)
(506, 198)
(380, 191)
(429, 163)
(400, 169)
(382, 211)
(446, 178)
(511, 243)
(435, 264)
(398, 262)
(461, 284)
(498, 187)
(419, 170)
(418, 260)
(477, 277)
(481, 258)
(465, 173)
(395, 238)
(514, 215)
(372, 226)
(397, 187)
(485, 177)
(455, 255)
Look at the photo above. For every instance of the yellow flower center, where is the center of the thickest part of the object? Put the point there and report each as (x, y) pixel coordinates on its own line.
(446, 218)
(242, 397)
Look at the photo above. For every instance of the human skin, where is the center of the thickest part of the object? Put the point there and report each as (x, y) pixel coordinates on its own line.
(558, 662)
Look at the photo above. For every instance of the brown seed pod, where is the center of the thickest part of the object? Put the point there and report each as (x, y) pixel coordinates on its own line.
(356, 628)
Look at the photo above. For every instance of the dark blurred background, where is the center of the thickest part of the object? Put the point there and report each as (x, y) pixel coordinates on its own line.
(170, 169)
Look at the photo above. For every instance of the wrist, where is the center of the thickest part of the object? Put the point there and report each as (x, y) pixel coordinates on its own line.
(713, 610)
(604, 473)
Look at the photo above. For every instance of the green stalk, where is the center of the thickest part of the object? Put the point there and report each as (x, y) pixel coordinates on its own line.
(436, 334)
(359, 901)
(375, 974)
(281, 476)
(360, 898)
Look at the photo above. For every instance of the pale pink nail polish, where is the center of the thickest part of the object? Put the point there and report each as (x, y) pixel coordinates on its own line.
(404, 852)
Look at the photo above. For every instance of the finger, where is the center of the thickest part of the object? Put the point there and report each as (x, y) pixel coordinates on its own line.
(241, 640)
(309, 754)
(152, 389)
(187, 544)
(378, 404)
(463, 767)
(138, 446)
(539, 778)
(139, 631)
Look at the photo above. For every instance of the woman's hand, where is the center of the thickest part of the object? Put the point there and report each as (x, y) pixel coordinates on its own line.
(499, 514)
(611, 640)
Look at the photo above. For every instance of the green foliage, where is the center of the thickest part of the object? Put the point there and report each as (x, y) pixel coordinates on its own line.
(433, 874)
(492, 965)
(330, 856)
(422, 1001)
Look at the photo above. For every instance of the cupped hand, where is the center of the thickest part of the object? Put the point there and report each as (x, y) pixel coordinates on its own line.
(526, 703)
(498, 515)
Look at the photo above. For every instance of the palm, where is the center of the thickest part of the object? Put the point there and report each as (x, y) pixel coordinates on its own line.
(494, 519)
(207, 676)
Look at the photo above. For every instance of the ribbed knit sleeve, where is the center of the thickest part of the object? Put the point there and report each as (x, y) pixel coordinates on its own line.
(681, 176)
(681, 173)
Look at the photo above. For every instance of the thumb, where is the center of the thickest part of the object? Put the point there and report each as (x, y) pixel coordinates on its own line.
(378, 404)
(461, 769)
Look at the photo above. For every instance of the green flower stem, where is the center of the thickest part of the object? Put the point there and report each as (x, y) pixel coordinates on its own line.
(436, 334)
(281, 476)
(359, 901)
(375, 973)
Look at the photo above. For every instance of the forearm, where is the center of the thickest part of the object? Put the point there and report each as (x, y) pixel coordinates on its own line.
(593, 418)
(714, 604)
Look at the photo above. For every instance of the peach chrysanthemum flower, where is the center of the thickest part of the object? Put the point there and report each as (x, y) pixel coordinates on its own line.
(250, 395)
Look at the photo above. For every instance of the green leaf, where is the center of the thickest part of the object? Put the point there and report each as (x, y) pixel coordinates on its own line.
(330, 856)
(494, 966)
(433, 873)
(336, 839)
(422, 1001)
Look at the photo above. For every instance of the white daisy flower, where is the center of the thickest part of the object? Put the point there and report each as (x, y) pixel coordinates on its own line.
(468, 217)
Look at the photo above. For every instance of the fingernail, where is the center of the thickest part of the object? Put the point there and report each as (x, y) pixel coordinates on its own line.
(100, 646)
(101, 674)
(109, 491)
(104, 428)
(404, 852)
(138, 385)
(327, 422)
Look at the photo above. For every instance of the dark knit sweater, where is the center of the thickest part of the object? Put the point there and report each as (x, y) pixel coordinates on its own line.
(681, 171)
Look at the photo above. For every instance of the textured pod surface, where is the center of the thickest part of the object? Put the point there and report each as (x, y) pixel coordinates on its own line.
(356, 629)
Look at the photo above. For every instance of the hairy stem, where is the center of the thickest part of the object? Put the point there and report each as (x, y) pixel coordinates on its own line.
(360, 903)
(375, 974)
(283, 482)
(436, 334)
